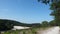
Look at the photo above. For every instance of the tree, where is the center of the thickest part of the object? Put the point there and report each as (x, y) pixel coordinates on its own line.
(53, 23)
(5, 25)
(44, 24)
(55, 6)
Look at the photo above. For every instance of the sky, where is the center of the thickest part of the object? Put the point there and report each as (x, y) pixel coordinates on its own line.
(25, 11)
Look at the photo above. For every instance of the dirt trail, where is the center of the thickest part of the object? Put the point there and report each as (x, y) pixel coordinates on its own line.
(53, 30)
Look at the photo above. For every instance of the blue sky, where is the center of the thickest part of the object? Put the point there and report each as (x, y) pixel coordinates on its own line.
(25, 11)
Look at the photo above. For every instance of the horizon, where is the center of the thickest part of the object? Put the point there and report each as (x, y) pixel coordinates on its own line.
(25, 11)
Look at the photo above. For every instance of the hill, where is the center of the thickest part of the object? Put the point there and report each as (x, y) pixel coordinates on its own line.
(17, 23)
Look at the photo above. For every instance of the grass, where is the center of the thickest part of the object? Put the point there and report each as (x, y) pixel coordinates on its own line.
(25, 31)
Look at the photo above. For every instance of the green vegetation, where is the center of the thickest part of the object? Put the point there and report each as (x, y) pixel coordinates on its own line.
(55, 7)
(25, 31)
(6, 24)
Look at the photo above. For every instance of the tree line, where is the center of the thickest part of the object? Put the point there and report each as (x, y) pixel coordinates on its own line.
(6, 24)
(55, 7)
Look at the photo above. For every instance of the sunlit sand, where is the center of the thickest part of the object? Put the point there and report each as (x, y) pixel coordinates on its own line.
(53, 30)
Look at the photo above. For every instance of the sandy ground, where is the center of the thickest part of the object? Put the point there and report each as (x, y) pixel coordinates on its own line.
(53, 30)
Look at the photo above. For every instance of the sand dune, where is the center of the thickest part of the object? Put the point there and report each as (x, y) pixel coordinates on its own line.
(53, 30)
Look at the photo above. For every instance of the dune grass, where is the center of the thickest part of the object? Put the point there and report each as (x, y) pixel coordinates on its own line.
(25, 31)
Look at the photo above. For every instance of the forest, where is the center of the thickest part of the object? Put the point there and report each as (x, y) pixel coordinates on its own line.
(6, 24)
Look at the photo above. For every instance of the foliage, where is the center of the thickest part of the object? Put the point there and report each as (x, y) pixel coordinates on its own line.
(6, 24)
(45, 24)
(55, 6)
(52, 23)
(48, 1)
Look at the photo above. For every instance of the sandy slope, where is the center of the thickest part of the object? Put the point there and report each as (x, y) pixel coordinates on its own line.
(19, 27)
(53, 30)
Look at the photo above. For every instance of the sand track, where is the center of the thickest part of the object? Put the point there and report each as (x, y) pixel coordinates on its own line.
(53, 30)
